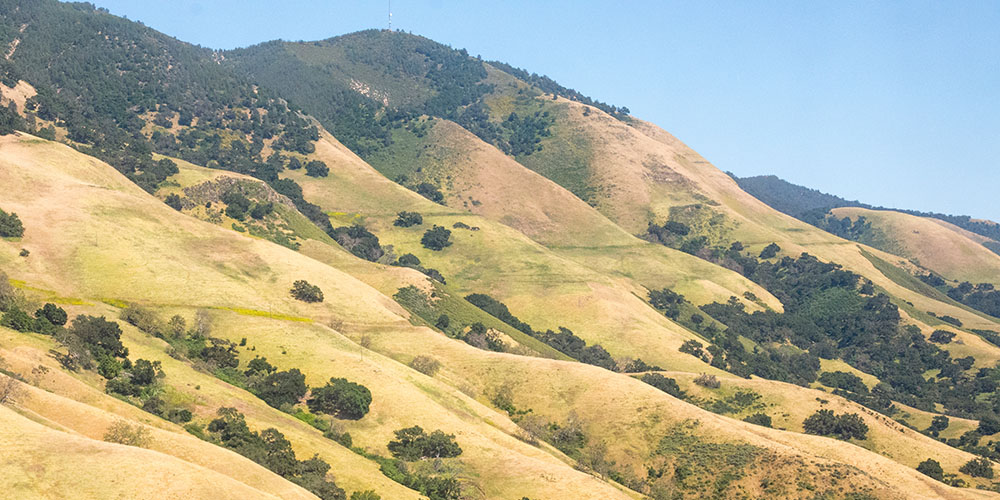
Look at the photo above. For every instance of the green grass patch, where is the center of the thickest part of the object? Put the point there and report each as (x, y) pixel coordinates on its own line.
(266, 314)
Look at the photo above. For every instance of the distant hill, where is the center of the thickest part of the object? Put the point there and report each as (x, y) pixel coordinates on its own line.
(810, 204)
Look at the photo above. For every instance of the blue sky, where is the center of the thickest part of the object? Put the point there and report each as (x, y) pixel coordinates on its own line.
(892, 103)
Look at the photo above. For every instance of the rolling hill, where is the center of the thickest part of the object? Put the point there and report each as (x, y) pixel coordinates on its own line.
(279, 271)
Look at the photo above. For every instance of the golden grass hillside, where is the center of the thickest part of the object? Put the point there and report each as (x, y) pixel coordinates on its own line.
(934, 244)
(96, 201)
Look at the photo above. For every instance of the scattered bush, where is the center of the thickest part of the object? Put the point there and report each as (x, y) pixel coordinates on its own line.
(16, 319)
(978, 467)
(694, 348)
(665, 384)
(10, 225)
(844, 426)
(770, 251)
(237, 204)
(365, 495)
(430, 191)
(709, 381)
(316, 168)
(941, 337)
(932, 468)
(408, 219)
(761, 419)
(442, 322)
(413, 443)
(173, 201)
(426, 365)
(341, 398)
(436, 238)
(306, 292)
(359, 241)
(122, 432)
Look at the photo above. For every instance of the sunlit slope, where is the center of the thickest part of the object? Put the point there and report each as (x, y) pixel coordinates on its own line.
(478, 178)
(937, 245)
(41, 462)
(630, 417)
(642, 172)
(493, 459)
(540, 285)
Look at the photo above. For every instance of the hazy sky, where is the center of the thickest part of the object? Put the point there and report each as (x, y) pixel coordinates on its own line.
(892, 103)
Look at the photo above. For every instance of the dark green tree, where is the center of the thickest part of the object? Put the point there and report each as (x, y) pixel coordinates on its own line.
(10, 225)
(436, 238)
(316, 168)
(932, 468)
(306, 292)
(278, 388)
(340, 398)
(408, 219)
(978, 467)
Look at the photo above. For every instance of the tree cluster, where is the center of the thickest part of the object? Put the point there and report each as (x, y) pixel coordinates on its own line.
(271, 449)
(844, 426)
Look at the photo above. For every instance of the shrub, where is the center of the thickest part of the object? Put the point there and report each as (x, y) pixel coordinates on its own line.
(665, 384)
(142, 318)
(53, 313)
(16, 319)
(306, 292)
(408, 219)
(761, 419)
(10, 225)
(408, 260)
(706, 380)
(413, 443)
(426, 365)
(316, 168)
(261, 210)
(341, 398)
(365, 495)
(430, 191)
(24, 252)
(978, 467)
(770, 251)
(844, 426)
(122, 432)
(173, 201)
(436, 238)
(932, 468)
(237, 205)
(359, 241)
(442, 322)
(694, 348)
(941, 337)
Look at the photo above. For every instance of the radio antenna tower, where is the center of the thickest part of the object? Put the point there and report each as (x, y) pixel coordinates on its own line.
(390, 15)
